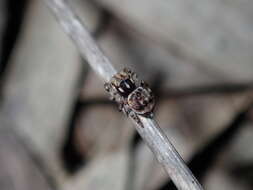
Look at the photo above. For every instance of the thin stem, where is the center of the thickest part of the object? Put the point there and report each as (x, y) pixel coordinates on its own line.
(162, 148)
(82, 39)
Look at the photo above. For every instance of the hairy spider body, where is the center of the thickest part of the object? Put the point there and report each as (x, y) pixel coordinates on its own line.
(133, 96)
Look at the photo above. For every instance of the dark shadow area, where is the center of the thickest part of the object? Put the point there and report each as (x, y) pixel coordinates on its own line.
(15, 16)
(104, 24)
(72, 158)
(204, 159)
(243, 173)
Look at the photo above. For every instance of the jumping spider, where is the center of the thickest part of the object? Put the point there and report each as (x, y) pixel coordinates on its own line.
(134, 97)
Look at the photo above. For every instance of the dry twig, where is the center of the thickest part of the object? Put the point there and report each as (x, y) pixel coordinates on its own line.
(162, 148)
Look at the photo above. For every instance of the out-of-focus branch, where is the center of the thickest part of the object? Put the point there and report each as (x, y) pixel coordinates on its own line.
(151, 133)
(183, 93)
(225, 88)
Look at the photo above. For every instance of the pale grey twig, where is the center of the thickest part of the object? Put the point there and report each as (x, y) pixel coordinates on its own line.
(82, 39)
(162, 148)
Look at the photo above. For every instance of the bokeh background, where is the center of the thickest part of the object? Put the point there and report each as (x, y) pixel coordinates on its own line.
(59, 131)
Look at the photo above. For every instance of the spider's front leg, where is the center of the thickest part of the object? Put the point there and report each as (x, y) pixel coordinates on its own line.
(121, 107)
(107, 87)
(130, 113)
(125, 109)
(135, 117)
(145, 85)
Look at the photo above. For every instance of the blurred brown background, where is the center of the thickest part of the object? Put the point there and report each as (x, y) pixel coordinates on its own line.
(58, 130)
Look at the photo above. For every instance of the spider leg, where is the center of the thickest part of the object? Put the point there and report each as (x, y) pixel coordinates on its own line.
(121, 107)
(112, 98)
(135, 117)
(107, 87)
(144, 84)
(126, 110)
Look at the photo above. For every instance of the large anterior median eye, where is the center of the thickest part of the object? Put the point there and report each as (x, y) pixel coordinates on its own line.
(126, 87)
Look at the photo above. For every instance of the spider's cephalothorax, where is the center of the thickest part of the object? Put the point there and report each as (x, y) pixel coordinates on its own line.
(133, 96)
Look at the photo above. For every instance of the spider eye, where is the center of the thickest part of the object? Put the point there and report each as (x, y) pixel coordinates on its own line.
(126, 87)
(121, 90)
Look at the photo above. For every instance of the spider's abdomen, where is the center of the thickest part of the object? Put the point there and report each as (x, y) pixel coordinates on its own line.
(141, 101)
